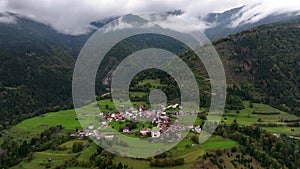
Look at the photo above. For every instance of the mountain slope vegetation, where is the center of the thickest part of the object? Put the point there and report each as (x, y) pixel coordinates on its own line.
(35, 70)
(262, 64)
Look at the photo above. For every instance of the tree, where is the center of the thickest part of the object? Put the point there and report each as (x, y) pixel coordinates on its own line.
(234, 102)
(195, 139)
(77, 147)
(120, 166)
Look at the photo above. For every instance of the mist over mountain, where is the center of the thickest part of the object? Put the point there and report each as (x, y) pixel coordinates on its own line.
(229, 22)
(215, 25)
(72, 18)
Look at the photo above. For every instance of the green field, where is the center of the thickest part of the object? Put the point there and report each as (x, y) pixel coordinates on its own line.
(284, 130)
(185, 149)
(34, 126)
(153, 82)
(189, 152)
(40, 159)
(66, 118)
(245, 117)
(138, 94)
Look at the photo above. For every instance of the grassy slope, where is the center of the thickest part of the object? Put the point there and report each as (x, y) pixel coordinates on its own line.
(189, 153)
(58, 156)
(245, 117)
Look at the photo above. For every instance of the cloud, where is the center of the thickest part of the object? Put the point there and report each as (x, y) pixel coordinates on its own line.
(74, 16)
(6, 18)
(258, 10)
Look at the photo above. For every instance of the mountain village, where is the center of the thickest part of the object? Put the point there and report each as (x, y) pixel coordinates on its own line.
(161, 124)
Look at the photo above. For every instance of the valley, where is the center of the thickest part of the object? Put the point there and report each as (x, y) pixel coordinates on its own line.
(259, 128)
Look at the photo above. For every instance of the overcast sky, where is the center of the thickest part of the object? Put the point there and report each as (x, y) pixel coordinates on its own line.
(74, 16)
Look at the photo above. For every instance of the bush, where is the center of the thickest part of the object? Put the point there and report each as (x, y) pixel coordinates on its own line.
(30, 156)
(166, 162)
(219, 152)
(266, 113)
(48, 165)
(295, 124)
(162, 155)
(233, 149)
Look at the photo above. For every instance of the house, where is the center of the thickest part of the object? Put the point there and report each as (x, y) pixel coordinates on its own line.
(141, 108)
(117, 115)
(175, 106)
(155, 133)
(91, 126)
(113, 115)
(82, 133)
(190, 126)
(106, 135)
(197, 129)
(134, 112)
(126, 130)
(109, 136)
(276, 135)
(122, 119)
(144, 131)
(163, 114)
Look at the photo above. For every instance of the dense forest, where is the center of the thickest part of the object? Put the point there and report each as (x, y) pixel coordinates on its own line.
(262, 64)
(35, 71)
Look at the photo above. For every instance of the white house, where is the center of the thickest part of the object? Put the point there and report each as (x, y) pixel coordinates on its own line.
(144, 131)
(91, 126)
(175, 106)
(155, 133)
(109, 136)
(197, 129)
(126, 130)
(190, 126)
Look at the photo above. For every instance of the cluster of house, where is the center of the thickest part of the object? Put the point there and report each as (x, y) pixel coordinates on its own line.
(164, 123)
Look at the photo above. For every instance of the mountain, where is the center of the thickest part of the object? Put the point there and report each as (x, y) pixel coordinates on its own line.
(229, 22)
(35, 70)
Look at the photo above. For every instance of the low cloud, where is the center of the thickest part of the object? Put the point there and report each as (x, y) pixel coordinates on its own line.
(74, 16)
(6, 18)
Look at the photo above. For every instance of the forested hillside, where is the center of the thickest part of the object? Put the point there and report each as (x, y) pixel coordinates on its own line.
(263, 64)
(35, 70)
